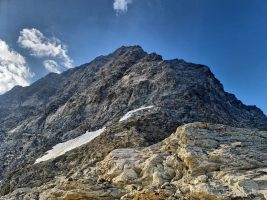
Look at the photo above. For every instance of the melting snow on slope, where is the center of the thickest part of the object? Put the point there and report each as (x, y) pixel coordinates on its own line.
(64, 147)
(130, 113)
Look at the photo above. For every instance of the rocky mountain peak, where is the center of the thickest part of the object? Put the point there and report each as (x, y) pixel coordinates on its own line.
(134, 48)
(136, 52)
(129, 52)
(138, 97)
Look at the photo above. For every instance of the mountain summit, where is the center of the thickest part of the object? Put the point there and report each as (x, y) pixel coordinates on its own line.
(126, 99)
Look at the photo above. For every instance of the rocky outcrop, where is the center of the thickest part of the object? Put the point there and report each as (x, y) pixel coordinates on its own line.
(60, 107)
(199, 161)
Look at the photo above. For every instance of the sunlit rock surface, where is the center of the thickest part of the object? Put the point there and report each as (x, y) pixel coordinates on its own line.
(198, 161)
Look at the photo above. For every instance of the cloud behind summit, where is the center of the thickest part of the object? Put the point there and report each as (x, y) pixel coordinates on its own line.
(13, 68)
(43, 47)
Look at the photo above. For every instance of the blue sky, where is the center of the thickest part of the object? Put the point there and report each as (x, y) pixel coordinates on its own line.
(228, 36)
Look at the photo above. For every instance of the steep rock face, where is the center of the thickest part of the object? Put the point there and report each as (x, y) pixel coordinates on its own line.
(199, 161)
(61, 107)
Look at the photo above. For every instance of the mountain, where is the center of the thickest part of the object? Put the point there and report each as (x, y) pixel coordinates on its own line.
(137, 100)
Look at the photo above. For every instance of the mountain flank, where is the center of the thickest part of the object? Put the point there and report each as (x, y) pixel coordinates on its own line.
(138, 100)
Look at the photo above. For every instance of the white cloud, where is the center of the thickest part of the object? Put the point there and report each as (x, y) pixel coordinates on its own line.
(121, 6)
(51, 66)
(41, 46)
(13, 68)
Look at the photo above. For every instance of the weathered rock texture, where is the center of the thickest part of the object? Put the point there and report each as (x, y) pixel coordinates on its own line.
(61, 107)
(198, 161)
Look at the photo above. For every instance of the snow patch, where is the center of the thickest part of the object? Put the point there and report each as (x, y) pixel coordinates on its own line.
(64, 147)
(130, 113)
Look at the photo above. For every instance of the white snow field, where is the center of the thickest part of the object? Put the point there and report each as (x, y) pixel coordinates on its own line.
(130, 113)
(64, 147)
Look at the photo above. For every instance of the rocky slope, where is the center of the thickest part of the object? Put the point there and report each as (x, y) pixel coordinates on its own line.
(198, 161)
(61, 107)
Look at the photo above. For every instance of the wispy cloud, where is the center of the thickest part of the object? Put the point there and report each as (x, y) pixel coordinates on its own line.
(13, 68)
(121, 6)
(42, 46)
(52, 66)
